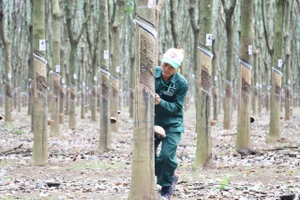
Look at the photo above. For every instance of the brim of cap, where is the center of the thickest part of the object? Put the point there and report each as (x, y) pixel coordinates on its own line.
(172, 63)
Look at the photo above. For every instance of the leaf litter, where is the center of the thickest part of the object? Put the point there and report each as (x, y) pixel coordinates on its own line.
(76, 171)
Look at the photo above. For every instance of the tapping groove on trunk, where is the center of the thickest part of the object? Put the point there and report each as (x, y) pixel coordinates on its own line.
(277, 92)
(56, 88)
(246, 87)
(115, 88)
(228, 90)
(72, 93)
(8, 91)
(147, 62)
(41, 86)
(205, 78)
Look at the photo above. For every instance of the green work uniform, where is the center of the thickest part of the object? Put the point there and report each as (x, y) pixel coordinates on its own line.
(169, 115)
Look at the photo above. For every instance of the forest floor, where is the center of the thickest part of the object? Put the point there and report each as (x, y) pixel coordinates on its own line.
(270, 173)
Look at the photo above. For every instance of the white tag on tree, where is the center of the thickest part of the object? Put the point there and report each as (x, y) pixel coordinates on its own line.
(42, 45)
(279, 62)
(95, 78)
(152, 4)
(62, 80)
(118, 69)
(106, 54)
(57, 68)
(9, 75)
(75, 76)
(289, 82)
(208, 40)
(250, 49)
(216, 78)
(83, 84)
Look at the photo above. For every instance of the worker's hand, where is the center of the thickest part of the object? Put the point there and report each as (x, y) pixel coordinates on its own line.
(156, 99)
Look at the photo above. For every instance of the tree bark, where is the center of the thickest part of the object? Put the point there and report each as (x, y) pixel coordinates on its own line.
(244, 103)
(274, 130)
(7, 60)
(56, 66)
(105, 132)
(73, 72)
(118, 18)
(142, 176)
(40, 144)
(287, 48)
(229, 26)
(203, 86)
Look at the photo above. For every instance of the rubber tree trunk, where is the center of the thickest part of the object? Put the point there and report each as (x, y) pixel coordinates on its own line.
(203, 86)
(7, 65)
(256, 86)
(229, 26)
(142, 174)
(62, 86)
(116, 61)
(244, 98)
(132, 76)
(56, 66)
(274, 130)
(287, 47)
(105, 132)
(73, 76)
(40, 144)
(215, 91)
(92, 36)
(83, 80)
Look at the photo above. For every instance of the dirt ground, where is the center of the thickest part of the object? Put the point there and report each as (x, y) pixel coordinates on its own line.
(269, 173)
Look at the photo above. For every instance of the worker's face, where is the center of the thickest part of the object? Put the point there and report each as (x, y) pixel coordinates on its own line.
(167, 70)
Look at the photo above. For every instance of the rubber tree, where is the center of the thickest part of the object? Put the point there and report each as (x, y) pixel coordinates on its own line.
(257, 44)
(40, 143)
(215, 61)
(7, 64)
(93, 38)
(274, 128)
(56, 65)
(287, 50)
(117, 21)
(244, 87)
(142, 175)
(63, 100)
(73, 76)
(229, 27)
(105, 130)
(203, 57)
(174, 22)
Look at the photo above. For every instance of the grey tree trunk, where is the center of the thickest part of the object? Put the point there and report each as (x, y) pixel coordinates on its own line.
(246, 40)
(203, 83)
(83, 81)
(174, 22)
(105, 132)
(7, 60)
(40, 144)
(56, 66)
(142, 176)
(229, 26)
(274, 130)
(73, 71)
(118, 19)
(93, 45)
(287, 46)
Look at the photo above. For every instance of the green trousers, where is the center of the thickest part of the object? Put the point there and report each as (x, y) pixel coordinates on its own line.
(166, 161)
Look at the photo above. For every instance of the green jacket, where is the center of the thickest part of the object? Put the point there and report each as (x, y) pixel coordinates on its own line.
(169, 112)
